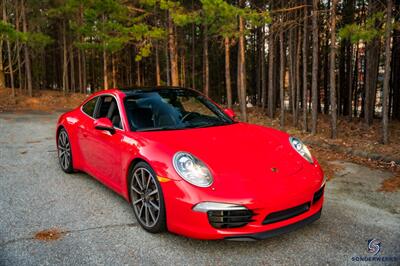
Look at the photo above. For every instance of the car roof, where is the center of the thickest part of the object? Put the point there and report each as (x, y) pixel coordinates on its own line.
(134, 90)
(131, 91)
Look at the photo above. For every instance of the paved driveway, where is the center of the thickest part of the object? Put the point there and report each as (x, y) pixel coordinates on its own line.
(99, 227)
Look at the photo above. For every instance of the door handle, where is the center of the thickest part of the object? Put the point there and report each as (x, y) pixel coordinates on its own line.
(83, 129)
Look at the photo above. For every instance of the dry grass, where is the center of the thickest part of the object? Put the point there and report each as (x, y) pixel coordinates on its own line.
(46, 101)
(392, 184)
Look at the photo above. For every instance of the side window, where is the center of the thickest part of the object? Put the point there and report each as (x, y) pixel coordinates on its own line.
(109, 108)
(89, 107)
(105, 102)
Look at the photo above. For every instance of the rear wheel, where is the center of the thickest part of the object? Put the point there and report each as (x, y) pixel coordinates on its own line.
(147, 198)
(64, 151)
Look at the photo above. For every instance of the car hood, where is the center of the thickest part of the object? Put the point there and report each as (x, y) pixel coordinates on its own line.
(239, 150)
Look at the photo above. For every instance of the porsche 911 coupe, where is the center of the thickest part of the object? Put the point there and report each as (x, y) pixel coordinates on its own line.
(189, 167)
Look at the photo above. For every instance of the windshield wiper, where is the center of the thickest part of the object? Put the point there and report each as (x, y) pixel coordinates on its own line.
(206, 125)
(156, 129)
(182, 127)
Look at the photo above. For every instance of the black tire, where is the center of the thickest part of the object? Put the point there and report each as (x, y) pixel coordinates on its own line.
(146, 194)
(64, 151)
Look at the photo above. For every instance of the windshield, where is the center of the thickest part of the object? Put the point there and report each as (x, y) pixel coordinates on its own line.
(169, 109)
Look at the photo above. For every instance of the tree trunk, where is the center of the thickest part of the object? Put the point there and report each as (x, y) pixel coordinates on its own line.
(17, 46)
(173, 54)
(81, 54)
(72, 65)
(228, 73)
(355, 83)
(282, 78)
(347, 104)
(167, 63)
(396, 66)
(271, 65)
(114, 70)
(297, 70)
(345, 62)
(65, 58)
(350, 82)
(371, 73)
(80, 71)
(305, 62)
(326, 52)
(10, 64)
(2, 75)
(183, 69)
(292, 78)
(105, 74)
(263, 95)
(206, 74)
(314, 85)
(84, 78)
(138, 80)
(28, 70)
(158, 76)
(257, 63)
(332, 71)
(242, 71)
(193, 56)
(386, 80)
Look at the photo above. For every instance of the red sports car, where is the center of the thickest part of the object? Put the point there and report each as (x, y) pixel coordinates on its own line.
(187, 166)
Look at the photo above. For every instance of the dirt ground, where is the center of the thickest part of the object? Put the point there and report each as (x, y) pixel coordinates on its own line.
(355, 142)
(45, 100)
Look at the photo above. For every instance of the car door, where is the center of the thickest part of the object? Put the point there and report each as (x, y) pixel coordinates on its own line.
(102, 150)
(84, 128)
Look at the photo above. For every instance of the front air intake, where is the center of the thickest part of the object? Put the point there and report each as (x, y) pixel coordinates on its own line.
(286, 214)
(229, 219)
(318, 194)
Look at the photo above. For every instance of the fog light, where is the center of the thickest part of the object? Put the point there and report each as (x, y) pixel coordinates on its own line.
(217, 206)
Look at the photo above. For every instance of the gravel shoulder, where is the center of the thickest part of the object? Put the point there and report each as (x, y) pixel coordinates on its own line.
(97, 226)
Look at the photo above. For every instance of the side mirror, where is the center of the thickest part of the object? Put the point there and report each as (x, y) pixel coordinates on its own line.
(230, 113)
(104, 124)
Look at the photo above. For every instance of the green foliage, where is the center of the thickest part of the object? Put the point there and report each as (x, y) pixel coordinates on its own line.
(107, 24)
(219, 15)
(33, 39)
(180, 15)
(7, 31)
(68, 8)
(38, 40)
(366, 32)
(222, 17)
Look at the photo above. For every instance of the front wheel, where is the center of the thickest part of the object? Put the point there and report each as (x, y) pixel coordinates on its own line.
(147, 198)
(64, 151)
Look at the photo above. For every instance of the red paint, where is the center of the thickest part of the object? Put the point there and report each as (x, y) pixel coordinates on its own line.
(252, 165)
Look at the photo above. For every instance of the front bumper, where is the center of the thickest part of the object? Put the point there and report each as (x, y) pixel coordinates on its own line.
(278, 231)
(183, 220)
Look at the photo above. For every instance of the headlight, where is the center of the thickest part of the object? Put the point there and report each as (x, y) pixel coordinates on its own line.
(301, 149)
(192, 169)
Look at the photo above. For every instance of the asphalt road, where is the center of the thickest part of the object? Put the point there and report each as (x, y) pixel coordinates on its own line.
(99, 226)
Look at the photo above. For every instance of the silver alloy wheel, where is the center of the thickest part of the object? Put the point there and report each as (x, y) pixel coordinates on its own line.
(145, 197)
(64, 149)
